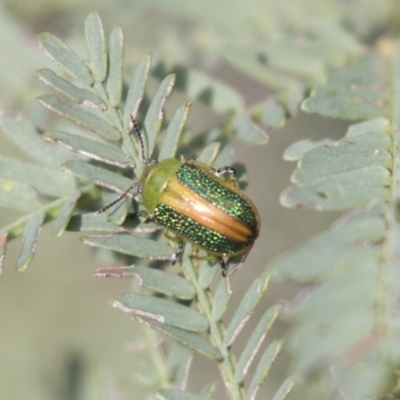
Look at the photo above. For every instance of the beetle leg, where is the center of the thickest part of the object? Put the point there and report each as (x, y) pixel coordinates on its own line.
(177, 255)
(176, 239)
(232, 179)
(224, 266)
(230, 170)
(142, 214)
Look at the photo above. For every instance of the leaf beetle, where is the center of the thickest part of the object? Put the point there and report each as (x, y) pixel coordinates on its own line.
(196, 203)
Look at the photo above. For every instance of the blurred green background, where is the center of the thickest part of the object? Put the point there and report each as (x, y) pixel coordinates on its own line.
(60, 338)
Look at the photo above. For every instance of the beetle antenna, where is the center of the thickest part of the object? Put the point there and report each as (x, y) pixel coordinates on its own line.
(140, 137)
(117, 200)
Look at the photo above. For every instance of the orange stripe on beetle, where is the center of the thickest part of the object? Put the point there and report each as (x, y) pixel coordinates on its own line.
(190, 204)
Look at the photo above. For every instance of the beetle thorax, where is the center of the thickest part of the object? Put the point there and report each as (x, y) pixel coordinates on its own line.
(154, 180)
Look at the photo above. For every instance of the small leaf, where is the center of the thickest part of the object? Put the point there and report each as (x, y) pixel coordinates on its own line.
(272, 113)
(209, 153)
(178, 364)
(174, 131)
(89, 148)
(18, 196)
(263, 368)
(96, 46)
(248, 131)
(28, 139)
(298, 149)
(62, 55)
(347, 174)
(254, 343)
(67, 89)
(29, 240)
(357, 92)
(115, 67)
(248, 60)
(343, 192)
(246, 308)
(81, 117)
(154, 115)
(189, 339)
(285, 389)
(176, 394)
(97, 175)
(65, 214)
(207, 274)
(208, 90)
(163, 311)
(221, 300)
(133, 245)
(45, 180)
(335, 246)
(91, 222)
(136, 90)
(162, 282)
(208, 389)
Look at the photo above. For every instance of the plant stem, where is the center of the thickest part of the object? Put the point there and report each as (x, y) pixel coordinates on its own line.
(227, 365)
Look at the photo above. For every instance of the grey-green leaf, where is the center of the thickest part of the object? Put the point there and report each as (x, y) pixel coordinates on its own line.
(272, 113)
(115, 66)
(174, 131)
(207, 274)
(163, 282)
(90, 148)
(209, 153)
(163, 311)
(298, 149)
(246, 308)
(263, 367)
(63, 218)
(91, 222)
(176, 394)
(221, 300)
(254, 342)
(67, 89)
(356, 92)
(154, 115)
(285, 389)
(189, 339)
(343, 174)
(136, 90)
(206, 89)
(97, 175)
(66, 58)
(335, 246)
(18, 196)
(81, 117)
(248, 131)
(45, 180)
(133, 245)
(179, 362)
(28, 139)
(96, 46)
(29, 240)
(208, 389)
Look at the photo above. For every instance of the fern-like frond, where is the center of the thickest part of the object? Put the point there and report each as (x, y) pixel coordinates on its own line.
(286, 46)
(349, 320)
(92, 99)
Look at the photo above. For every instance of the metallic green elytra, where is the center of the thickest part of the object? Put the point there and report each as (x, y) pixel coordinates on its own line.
(195, 203)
